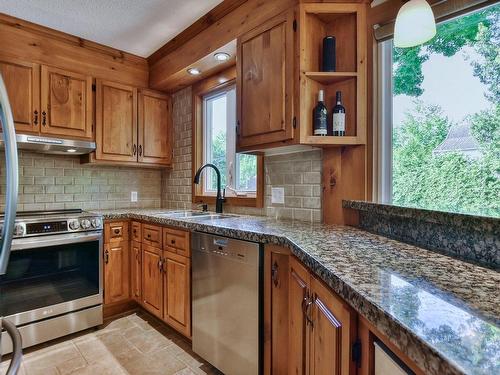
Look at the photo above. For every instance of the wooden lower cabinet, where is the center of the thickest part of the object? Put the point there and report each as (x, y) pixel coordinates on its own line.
(136, 271)
(322, 327)
(152, 285)
(177, 292)
(276, 264)
(116, 272)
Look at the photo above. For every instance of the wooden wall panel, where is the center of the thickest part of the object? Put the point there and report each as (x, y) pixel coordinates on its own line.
(33, 43)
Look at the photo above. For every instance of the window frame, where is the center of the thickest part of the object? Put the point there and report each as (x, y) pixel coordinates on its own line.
(207, 87)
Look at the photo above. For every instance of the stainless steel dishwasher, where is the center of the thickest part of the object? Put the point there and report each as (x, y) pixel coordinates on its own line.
(227, 303)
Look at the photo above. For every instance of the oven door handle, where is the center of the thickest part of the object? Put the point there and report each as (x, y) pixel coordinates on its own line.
(54, 240)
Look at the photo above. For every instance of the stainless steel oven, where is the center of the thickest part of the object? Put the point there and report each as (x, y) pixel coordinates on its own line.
(53, 283)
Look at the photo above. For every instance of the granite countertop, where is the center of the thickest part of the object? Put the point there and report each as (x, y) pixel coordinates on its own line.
(442, 312)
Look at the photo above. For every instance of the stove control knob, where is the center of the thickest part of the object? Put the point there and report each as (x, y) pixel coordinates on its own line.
(85, 224)
(96, 223)
(19, 230)
(74, 224)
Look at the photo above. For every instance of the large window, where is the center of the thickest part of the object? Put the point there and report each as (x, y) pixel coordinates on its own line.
(215, 142)
(439, 132)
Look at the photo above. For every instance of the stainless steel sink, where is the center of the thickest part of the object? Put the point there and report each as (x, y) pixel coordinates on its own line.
(195, 215)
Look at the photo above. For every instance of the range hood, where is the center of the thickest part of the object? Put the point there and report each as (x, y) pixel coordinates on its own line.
(56, 146)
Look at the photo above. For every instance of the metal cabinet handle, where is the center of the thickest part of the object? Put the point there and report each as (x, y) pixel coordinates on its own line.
(308, 318)
(274, 274)
(106, 256)
(117, 230)
(160, 265)
(140, 150)
(17, 355)
(35, 117)
(134, 149)
(44, 118)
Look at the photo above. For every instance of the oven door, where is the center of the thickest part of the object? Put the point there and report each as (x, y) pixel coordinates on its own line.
(51, 275)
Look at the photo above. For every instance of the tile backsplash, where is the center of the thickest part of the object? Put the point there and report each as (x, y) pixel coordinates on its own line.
(49, 182)
(299, 174)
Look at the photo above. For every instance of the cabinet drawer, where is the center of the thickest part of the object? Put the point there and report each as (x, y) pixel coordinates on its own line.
(176, 241)
(136, 231)
(116, 231)
(151, 235)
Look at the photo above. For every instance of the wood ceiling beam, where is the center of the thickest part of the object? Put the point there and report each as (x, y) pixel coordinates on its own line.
(211, 34)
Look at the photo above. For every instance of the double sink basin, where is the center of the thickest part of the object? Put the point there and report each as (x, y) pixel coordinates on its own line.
(198, 215)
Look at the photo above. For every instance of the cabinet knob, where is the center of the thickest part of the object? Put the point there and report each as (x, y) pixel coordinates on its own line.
(172, 242)
(140, 150)
(117, 231)
(106, 256)
(44, 118)
(35, 117)
(134, 149)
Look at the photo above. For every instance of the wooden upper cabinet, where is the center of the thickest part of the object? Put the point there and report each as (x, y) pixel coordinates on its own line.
(265, 81)
(155, 126)
(22, 81)
(333, 331)
(116, 121)
(66, 103)
(116, 272)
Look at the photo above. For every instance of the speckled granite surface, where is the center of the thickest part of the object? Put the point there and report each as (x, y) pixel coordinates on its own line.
(443, 312)
(472, 238)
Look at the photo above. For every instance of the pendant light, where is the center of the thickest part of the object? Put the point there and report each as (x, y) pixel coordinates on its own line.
(415, 24)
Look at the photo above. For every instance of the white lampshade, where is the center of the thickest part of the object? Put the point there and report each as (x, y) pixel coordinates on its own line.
(415, 24)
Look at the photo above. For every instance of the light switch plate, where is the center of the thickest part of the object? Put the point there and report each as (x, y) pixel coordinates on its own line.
(278, 195)
(133, 196)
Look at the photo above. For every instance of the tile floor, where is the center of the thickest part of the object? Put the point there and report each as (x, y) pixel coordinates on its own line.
(134, 344)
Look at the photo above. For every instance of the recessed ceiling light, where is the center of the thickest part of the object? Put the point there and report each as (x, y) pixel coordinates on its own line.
(71, 150)
(222, 56)
(194, 71)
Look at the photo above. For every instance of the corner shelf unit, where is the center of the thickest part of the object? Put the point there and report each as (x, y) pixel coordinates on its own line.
(347, 22)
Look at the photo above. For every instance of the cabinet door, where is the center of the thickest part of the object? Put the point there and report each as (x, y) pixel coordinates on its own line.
(66, 103)
(177, 299)
(265, 82)
(22, 81)
(116, 121)
(116, 272)
(155, 127)
(332, 333)
(136, 271)
(152, 286)
(298, 347)
(276, 269)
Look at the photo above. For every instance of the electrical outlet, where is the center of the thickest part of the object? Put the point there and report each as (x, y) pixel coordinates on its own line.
(133, 196)
(278, 195)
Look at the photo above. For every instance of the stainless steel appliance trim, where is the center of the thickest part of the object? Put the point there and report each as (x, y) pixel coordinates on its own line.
(65, 307)
(54, 310)
(56, 240)
(12, 169)
(50, 329)
(58, 146)
(227, 281)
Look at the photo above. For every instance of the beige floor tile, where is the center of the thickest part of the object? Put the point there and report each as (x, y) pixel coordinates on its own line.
(136, 344)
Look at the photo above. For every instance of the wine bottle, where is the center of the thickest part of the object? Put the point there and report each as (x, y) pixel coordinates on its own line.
(338, 116)
(320, 116)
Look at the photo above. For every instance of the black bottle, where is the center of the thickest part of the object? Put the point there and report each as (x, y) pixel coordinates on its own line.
(320, 116)
(338, 116)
